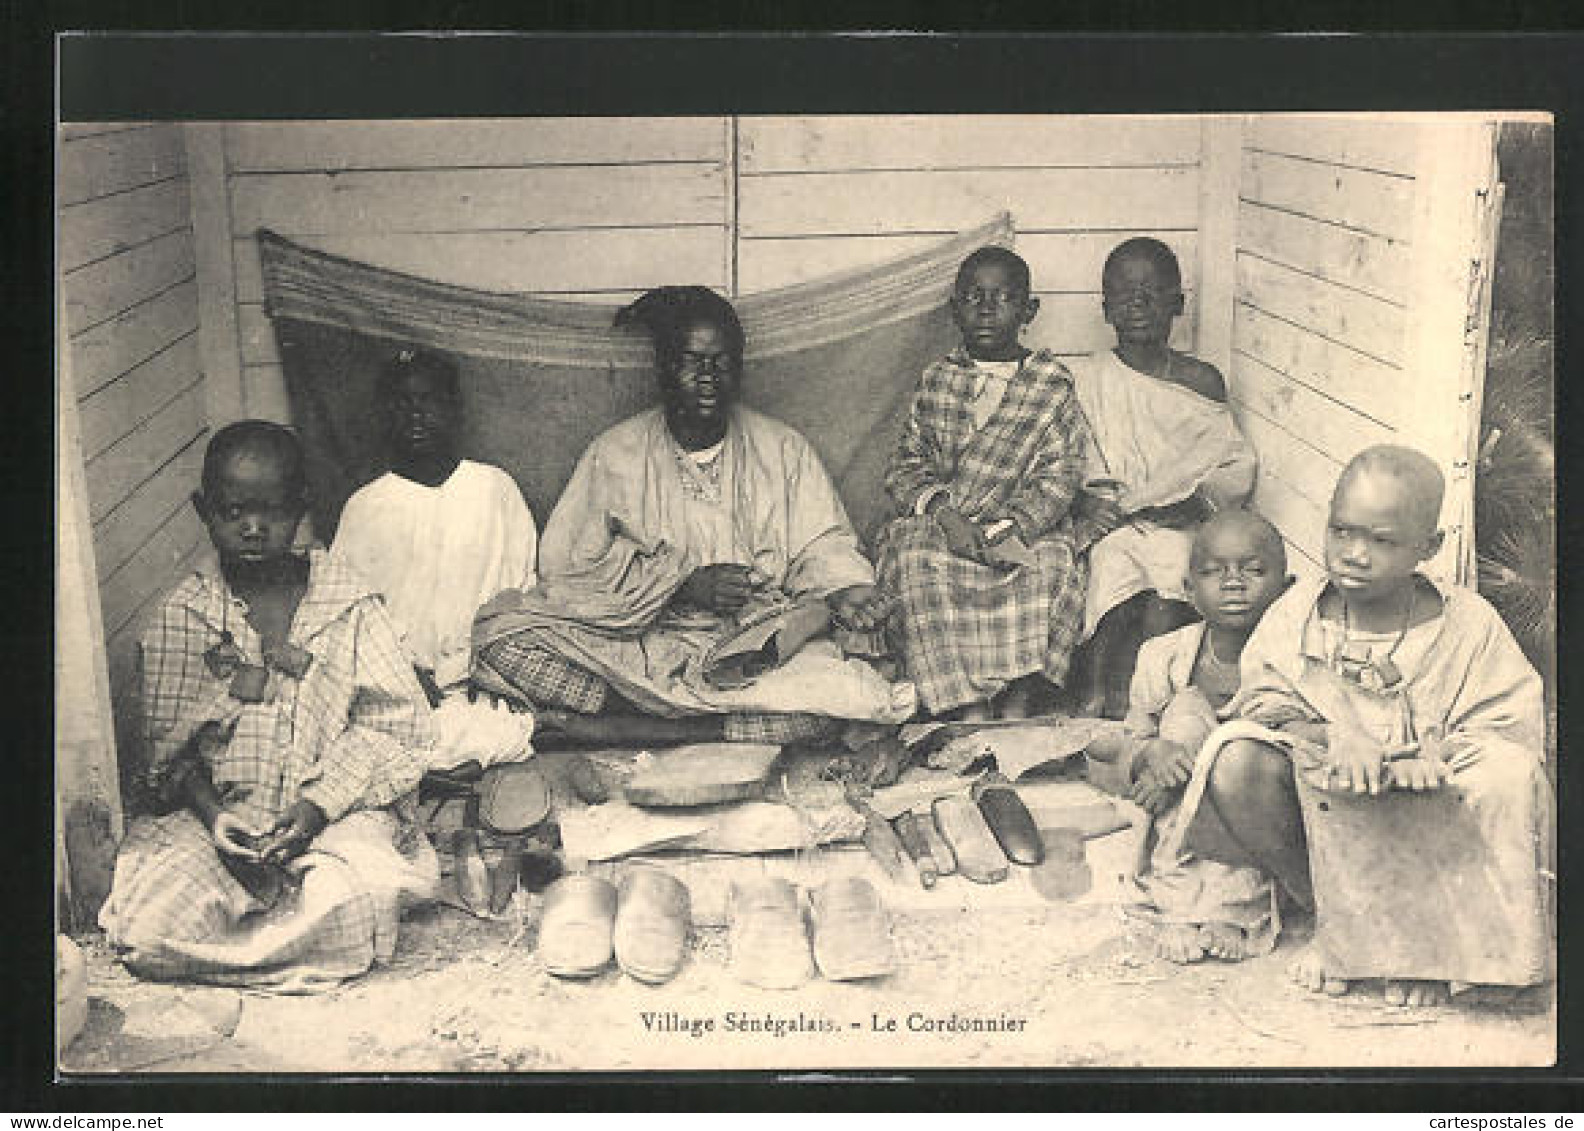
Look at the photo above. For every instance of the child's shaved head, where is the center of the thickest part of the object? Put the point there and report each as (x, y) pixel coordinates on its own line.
(1017, 269)
(1423, 486)
(1150, 251)
(1251, 529)
(260, 438)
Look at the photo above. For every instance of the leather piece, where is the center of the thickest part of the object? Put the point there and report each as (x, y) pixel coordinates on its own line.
(1009, 820)
(513, 798)
(962, 826)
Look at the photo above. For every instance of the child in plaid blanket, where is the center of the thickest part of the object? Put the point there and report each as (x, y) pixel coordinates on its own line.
(286, 731)
(983, 558)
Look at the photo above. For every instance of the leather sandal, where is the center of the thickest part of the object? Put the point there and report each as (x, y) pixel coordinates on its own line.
(513, 798)
(1009, 819)
(961, 824)
(852, 938)
(576, 932)
(653, 917)
(769, 944)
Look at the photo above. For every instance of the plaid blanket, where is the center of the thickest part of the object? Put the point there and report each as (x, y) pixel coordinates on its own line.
(965, 629)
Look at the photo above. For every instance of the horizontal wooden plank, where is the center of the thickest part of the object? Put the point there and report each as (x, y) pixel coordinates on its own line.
(96, 228)
(1058, 261)
(1377, 265)
(1367, 385)
(1363, 322)
(125, 530)
(1354, 198)
(114, 285)
(1301, 522)
(121, 469)
(264, 393)
(922, 141)
(1325, 423)
(950, 201)
(1381, 143)
(151, 570)
(594, 259)
(472, 143)
(97, 166)
(478, 199)
(117, 408)
(1288, 456)
(102, 354)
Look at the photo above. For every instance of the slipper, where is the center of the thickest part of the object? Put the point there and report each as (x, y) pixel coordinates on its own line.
(939, 850)
(513, 798)
(852, 938)
(652, 920)
(961, 824)
(769, 946)
(575, 934)
(1009, 819)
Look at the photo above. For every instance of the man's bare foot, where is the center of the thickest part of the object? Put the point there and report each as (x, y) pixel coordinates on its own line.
(1415, 995)
(1309, 970)
(1224, 941)
(1179, 942)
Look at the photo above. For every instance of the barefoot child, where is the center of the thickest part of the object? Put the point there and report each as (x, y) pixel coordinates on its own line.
(1401, 716)
(438, 536)
(1183, 680)
(286, 733)
(982, 558)
(1166, 455)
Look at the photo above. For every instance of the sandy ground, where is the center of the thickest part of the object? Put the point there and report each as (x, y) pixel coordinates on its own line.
(1071, 985)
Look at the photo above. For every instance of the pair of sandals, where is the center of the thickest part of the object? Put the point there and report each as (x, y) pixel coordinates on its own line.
(643, 922)
(770, 941)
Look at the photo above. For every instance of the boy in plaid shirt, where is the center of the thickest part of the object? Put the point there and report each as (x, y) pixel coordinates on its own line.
(286, 733)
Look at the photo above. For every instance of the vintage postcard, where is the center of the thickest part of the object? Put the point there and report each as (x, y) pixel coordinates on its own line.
(551, 594)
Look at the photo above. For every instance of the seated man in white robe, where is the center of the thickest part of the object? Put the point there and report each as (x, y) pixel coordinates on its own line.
(439, 536)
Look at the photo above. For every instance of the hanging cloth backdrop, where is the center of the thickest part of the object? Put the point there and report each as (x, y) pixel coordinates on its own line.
(836, 358)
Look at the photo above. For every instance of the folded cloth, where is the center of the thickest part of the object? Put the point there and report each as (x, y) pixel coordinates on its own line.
(764, 643)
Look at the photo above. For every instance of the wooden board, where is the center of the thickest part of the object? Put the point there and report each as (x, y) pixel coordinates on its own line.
(117, 472)
(456, 200)
(1058, 261)
(474, 143)
(125, 529)
(1353, 198)
(98, 228)
(111, 163)
(921, 141)
(120, 406)
(264, 393)
(100, 291)
(1327, 424)
(620, 259)
(151, 570)
(1376, 265)
(1364, 383)
(950, 201)
(1347, 317)
(110, 349)
(1360, 141)
(1290, 458)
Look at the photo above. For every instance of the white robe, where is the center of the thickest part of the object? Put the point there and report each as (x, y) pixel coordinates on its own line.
(437, 554)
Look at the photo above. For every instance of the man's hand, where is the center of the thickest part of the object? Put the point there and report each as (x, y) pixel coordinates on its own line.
(1164, 768)
(963, 536)
(233, 837)
(496, 701)
(860, 608)
(723, 588)
(1419, 774)
(294, 832)
(1099, 510)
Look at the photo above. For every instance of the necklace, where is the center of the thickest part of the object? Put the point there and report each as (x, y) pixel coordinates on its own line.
(1215, 658)
(1354, 659)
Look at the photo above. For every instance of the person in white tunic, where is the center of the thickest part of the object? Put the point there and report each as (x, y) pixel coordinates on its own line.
(439, 536)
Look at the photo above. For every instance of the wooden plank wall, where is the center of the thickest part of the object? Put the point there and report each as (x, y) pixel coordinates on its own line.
(582, 209)
(817, 195)
(131, 312)
(1323, 262)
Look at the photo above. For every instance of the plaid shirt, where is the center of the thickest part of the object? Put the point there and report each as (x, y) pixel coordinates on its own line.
(1026, 464)
(351, 733)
